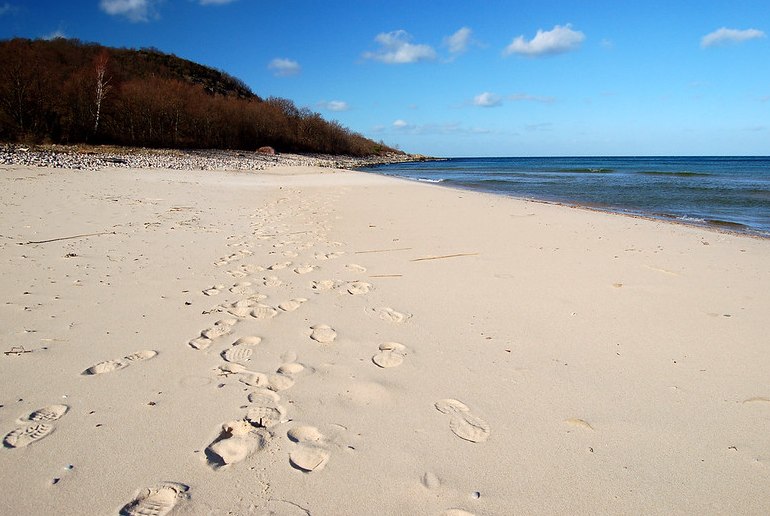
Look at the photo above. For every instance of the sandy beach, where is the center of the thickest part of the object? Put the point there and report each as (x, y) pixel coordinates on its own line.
(306, 340)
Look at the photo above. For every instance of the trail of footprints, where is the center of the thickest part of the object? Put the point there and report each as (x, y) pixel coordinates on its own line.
(309, 450)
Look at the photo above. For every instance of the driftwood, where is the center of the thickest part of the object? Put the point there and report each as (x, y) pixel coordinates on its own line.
(68, 238)
(443, 257)
(17, 350)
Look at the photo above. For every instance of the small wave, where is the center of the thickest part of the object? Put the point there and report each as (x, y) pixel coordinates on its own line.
(581, 170)
(427, 180)
(685, 218)
(674, 174)
(726, 224)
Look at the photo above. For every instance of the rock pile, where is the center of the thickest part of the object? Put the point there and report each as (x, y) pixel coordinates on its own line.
(96, 158)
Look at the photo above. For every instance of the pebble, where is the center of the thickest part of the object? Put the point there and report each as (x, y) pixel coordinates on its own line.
(71, 158)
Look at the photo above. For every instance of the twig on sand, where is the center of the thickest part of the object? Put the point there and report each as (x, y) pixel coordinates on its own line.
(68, 238)
(384, 250)
(17, 350)
(443, 257)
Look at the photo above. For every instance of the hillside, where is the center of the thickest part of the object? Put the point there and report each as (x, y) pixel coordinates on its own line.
(65, 91)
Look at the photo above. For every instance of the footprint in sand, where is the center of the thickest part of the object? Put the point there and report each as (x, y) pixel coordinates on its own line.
(462, 423)
(305, 269)
(292, 304)
(251, 340)
(323, 333)
(263, 312)
(238, 354)
(207, 336)
(357, 288)
(243, 288)
(213, 291)
(158, 500)
(37, 425)
(236, 441)
(274, 382)
(279, 266)
(272, 281)
(391, 355)
(242, 308)
(324, 285)
(220, 328)
(352, 267)
(48, 414)
(27, 435)
(390, 315)
(310, 454)
(109, 366)
(456, 512)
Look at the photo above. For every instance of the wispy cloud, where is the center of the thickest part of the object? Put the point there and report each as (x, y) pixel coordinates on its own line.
(57, 34)
(334, 105)
(487, 99)
(403, 127)
(283, 67)
(526, 97)
(134, 10)
(396, 48)
(459, 41)
(724, 36)
(558, 40)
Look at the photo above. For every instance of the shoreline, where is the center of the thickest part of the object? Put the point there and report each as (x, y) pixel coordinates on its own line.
(293, 340)
(722, 226)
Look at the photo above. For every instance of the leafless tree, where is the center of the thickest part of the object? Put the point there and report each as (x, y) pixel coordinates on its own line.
(102, 85)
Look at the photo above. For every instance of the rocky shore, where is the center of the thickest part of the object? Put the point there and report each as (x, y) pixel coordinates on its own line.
(97, 157)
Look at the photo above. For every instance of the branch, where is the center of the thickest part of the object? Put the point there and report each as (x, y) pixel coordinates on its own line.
(67, 238)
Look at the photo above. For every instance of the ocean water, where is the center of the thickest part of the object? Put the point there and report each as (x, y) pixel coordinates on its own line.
(728, 192)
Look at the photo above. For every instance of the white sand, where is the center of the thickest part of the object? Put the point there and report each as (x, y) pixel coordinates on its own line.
(422, 349)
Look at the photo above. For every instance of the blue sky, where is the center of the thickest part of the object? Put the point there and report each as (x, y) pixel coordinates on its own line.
(470, 78)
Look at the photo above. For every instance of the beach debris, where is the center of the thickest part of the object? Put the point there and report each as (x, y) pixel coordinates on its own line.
(17, 350)
(68, 238)
(458, 255)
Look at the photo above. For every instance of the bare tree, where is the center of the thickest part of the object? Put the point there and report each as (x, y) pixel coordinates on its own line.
(102, 85)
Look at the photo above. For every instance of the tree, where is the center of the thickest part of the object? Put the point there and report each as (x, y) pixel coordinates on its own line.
(102, 85)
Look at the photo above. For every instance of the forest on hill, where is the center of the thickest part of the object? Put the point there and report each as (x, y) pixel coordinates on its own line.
(66, 91)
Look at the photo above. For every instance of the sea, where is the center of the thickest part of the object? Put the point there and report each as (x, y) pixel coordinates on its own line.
(729, 193)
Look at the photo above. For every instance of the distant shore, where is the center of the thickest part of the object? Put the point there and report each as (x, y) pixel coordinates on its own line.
(95, 157)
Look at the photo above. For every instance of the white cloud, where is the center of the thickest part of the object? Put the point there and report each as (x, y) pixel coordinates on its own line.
(334, 105)
(400, 124)
(487, 99)
(395, 48)
(725, 35)
(134, 10)
(57, 34)
(555, 41)
(282, 67)
(459, 41)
